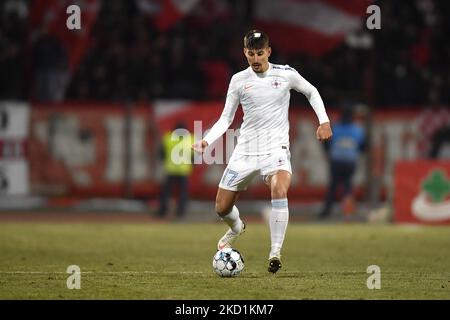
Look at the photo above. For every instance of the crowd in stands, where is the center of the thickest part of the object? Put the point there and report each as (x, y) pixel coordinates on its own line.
(13, 50)
(130, 59)
(412, 53)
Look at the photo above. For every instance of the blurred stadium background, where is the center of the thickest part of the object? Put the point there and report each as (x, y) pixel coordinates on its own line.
(83, 112)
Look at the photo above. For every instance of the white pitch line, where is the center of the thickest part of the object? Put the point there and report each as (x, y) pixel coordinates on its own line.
(102, 272)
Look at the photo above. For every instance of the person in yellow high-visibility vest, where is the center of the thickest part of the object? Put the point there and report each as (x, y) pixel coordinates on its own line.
(177, 157)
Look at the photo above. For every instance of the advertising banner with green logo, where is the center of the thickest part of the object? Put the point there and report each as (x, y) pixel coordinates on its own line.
(422, 192)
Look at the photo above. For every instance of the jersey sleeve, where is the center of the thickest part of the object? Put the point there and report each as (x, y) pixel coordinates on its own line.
(227, 116)
(300, 84)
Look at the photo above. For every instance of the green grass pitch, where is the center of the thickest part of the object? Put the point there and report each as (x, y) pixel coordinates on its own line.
(173, 261)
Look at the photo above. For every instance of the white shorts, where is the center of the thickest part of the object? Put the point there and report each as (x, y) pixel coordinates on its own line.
(242, 168)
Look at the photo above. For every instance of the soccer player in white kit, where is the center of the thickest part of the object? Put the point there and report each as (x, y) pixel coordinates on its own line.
(263, 90)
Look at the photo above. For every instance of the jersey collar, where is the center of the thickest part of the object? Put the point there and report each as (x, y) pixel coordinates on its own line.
(264, 74)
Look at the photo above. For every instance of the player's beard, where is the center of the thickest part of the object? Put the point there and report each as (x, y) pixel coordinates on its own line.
(257, 67)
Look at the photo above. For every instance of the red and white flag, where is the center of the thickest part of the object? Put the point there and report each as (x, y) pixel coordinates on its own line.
(52, 15)
(166, 12)
(311, 26)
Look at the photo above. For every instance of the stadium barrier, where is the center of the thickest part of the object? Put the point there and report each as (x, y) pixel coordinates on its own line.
(422, 192)
(14, 162)
(111, 150)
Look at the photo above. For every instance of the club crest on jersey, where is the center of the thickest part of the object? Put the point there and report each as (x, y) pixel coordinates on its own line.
(276, 83)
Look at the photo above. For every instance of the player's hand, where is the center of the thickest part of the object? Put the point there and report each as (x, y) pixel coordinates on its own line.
(200, 146)
(324, 132)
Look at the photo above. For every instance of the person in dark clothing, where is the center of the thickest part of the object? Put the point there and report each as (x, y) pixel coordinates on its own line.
(344, 151)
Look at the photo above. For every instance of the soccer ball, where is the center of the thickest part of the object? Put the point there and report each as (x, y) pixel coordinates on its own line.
(228, 262)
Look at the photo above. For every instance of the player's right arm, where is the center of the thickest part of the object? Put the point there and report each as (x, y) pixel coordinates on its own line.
(225, 120)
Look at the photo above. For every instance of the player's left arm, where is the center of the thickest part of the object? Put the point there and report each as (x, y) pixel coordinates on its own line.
(300, 84)
(225, 120)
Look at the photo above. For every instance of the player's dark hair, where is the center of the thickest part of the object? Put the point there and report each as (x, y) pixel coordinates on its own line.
(255, 39)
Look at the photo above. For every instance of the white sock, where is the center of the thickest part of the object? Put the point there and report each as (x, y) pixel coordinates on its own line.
(278, 222)
(232, 219)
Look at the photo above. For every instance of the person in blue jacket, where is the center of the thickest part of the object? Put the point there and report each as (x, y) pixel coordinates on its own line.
(344, 151)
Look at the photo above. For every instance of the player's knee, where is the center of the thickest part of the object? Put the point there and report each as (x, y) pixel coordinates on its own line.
(222, 208)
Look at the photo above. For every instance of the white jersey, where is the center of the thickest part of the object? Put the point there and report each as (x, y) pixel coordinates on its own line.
(265, 103)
